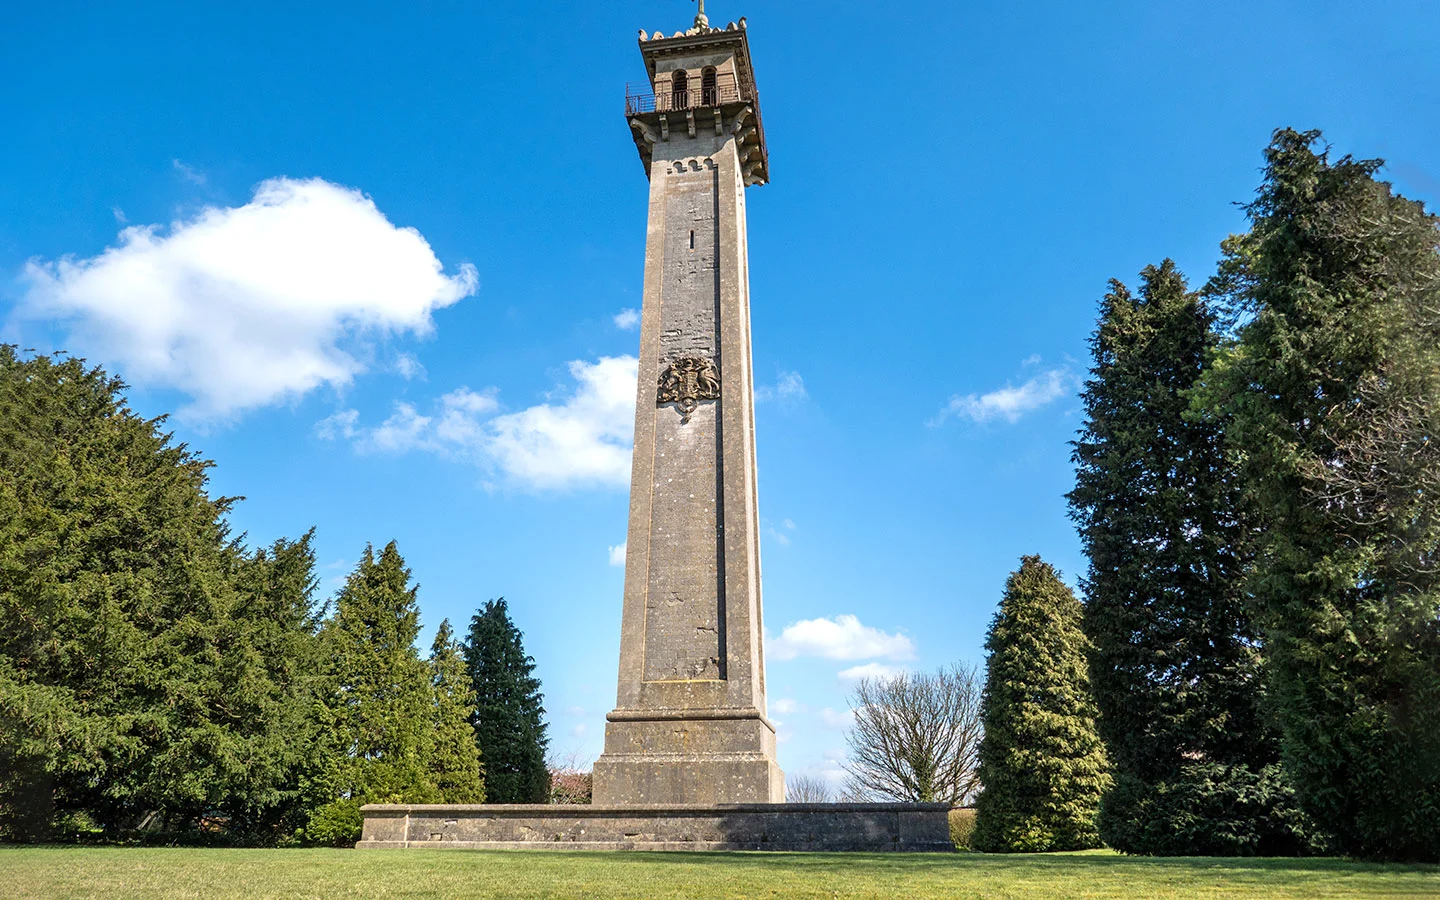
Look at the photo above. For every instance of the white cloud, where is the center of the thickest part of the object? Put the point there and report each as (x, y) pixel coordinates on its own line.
(248, 306)
(789, 524)
(340, 425)
(842, 637)
(1010, 402)
(870, 670)
(789, 386)
(627, 319)
(461, 412)
(617, 555)
(841, 719)
(405, 430)
(784, 706)
(408, 367)
(584, 438)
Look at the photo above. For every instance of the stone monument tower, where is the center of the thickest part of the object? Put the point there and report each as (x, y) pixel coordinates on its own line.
(689, 726)
(689, 760)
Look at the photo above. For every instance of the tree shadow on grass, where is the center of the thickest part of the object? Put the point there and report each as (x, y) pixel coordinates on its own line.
(1100, 863)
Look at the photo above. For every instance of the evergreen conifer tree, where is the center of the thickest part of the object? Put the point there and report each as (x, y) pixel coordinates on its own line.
(276, 665)
(1331, 398)
(380, 695)
(509, 710)
(1041, 762)
(455, 763)
(146, 669)
(1175, 663)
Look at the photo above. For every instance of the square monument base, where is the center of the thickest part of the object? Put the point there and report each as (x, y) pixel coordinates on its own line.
(686, 781)
(867, 827)
(688, 757)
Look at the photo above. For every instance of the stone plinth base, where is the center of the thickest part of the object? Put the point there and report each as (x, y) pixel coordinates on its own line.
(688, 757)
(914, 827)
(708, 780)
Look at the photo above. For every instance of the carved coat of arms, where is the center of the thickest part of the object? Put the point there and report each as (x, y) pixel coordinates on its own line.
(687, 381)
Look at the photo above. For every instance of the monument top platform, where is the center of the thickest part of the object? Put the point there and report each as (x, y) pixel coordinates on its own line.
(699, 78)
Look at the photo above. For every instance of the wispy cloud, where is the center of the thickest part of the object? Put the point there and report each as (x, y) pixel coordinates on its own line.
(788, 387)
(343, 424)
(408, 367)
(781, 537)
(627, 319)
(843, 637)
(189, 173)
(244, 307)
(617, 555)
(870, 670)
(582, 437)
(1011, 402)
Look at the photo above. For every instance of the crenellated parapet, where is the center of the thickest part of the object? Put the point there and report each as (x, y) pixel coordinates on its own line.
(698, 29)
(701, 81)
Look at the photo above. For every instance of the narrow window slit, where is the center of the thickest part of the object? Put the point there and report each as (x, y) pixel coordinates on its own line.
(692, 240)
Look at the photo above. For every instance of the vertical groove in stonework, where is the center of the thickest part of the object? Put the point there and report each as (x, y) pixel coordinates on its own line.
(685, 601)
(720, 594)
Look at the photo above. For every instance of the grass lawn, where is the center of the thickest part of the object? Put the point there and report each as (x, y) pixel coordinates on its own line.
(117, 873)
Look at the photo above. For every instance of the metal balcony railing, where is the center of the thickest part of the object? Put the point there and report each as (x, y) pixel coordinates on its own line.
(697, 95)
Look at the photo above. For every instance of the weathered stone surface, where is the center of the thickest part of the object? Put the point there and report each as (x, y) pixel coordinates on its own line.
(688, 759)
(906, 827)
(689, 723)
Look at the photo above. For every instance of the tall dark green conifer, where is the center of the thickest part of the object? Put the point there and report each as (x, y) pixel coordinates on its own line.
(1176, 660)
(455, 763)
(380, 701)
(1041, 762)
(509, 717)
(1331, 398)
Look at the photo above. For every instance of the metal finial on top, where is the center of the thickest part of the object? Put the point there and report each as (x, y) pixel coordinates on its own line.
(700, 20)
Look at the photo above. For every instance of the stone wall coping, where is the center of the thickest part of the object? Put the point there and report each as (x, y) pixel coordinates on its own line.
(682, 715)
(578, 810)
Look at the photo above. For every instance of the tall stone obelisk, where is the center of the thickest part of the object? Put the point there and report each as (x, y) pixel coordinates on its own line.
(689, 725)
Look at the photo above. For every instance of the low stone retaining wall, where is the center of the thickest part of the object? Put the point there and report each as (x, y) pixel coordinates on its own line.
(912, 827)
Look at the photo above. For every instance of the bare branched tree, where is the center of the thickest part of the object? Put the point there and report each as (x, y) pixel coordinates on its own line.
(916, 737)
(570, 779)
(808, 789)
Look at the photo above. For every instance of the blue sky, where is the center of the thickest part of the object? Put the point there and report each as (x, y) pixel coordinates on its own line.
(380, 257)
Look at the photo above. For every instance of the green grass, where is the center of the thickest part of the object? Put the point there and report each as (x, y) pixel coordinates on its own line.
(117, 873)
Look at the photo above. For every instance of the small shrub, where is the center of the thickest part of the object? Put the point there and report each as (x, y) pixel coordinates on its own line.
(336, 824)
(76, 826)
(962, 828)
